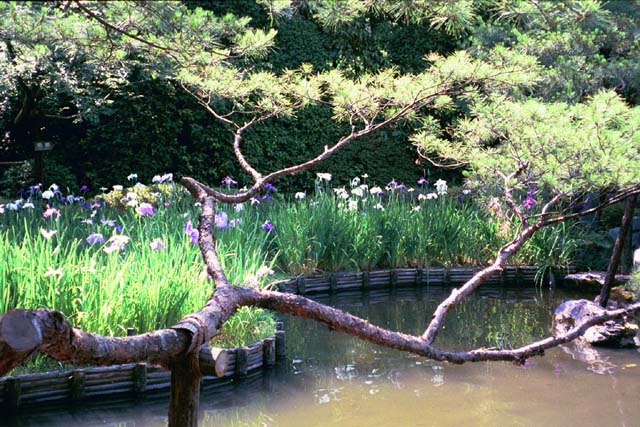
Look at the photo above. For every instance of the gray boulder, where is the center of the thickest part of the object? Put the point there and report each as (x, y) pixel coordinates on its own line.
(613, 333)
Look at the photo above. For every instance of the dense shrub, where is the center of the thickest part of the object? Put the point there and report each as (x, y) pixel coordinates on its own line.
(150, 125)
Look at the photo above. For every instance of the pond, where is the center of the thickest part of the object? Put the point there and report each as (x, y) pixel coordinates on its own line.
(332, 379)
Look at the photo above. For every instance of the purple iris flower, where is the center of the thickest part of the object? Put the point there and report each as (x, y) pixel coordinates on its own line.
(168, 177)
(193, 233)
(529, 201)
(95, 238)
(222, 220)
(392, 184)
(268, 226)
(269, 187)
(235, 222)
(84, 189)
(266, 197)
(145, 209)
(109, 222)
(229, 181)
(423, 181)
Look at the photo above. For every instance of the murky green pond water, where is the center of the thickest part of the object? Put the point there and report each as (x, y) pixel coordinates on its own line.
(330, 379)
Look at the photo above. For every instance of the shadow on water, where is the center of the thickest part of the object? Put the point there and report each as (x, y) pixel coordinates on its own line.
(333, 379)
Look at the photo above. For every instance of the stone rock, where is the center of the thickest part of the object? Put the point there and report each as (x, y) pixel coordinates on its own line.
(622, 295)
(613, 333)
(592, 281)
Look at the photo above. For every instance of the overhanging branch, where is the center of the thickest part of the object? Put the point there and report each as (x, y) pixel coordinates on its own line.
(49, 332)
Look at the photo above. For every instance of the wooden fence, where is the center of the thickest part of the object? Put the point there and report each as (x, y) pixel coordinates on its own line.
(134, 379)
(403, 277)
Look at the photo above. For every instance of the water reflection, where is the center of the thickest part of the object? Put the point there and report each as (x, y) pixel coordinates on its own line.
(333, 379)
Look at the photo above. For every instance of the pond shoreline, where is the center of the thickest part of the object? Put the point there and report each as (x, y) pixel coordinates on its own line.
(23, 392)
(382, 279)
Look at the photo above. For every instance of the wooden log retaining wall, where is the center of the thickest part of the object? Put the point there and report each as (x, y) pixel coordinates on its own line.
(140, 380)
(403, 277)
(134, 379)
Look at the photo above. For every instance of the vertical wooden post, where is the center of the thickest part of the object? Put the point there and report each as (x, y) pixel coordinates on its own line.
(131, 332)
(77, 385)
(394, 278)
(140, 379)
(301, 286)
(419, 276)
(280, 340)
(185, 391)
(269, 352)
(333, 283)
(12, 394)
(242, 362)
(366, 280)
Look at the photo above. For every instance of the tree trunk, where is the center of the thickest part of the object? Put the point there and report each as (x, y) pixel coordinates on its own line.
(614, 261)
(626, 263)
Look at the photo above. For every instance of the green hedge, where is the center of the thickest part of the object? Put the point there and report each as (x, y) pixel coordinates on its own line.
(153, 127)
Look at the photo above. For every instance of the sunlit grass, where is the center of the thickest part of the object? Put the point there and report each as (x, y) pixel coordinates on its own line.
(48, 262)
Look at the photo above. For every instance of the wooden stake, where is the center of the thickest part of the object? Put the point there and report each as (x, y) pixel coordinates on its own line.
(185, 391)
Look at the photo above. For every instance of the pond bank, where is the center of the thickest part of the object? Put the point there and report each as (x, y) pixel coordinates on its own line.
(335, 379)
(138, 380)
(381, 279)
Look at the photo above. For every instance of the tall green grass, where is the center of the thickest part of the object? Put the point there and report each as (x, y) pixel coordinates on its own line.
(148, 289)
(323, 234)
(109, 292)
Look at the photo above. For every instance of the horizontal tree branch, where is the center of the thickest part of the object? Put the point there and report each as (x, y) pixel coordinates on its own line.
(62, 342)
(22, 332)
(340, 321)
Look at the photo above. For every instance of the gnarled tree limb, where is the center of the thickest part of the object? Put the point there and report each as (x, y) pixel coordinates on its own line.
(64, 343)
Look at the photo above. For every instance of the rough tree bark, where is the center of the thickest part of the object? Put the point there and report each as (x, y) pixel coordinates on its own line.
(626, 260)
